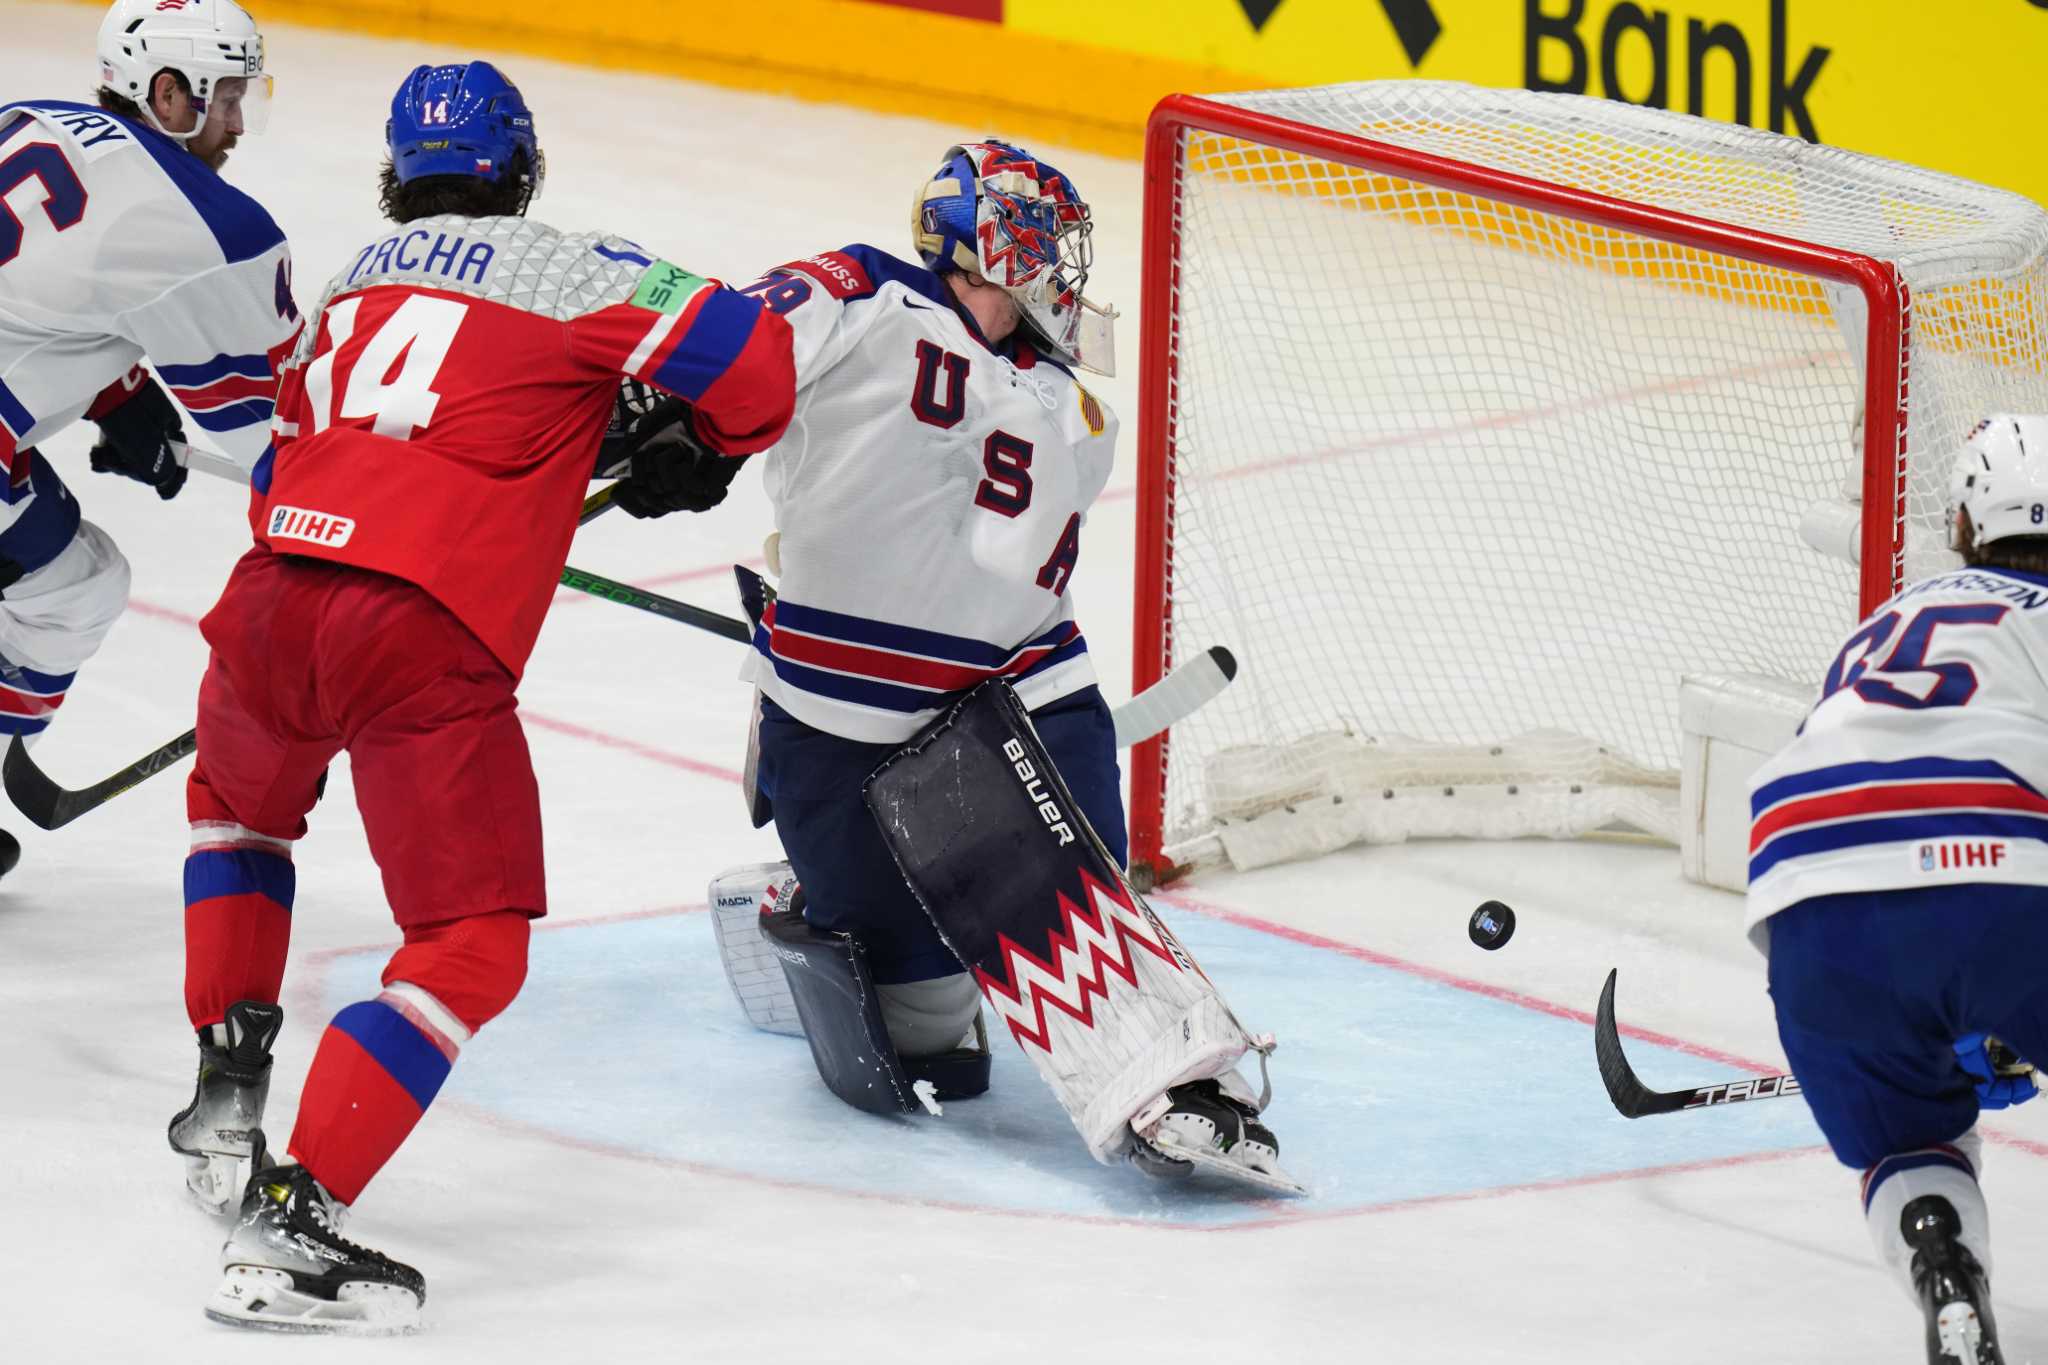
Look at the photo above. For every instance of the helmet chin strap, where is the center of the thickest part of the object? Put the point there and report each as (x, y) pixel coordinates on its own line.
(148, 107)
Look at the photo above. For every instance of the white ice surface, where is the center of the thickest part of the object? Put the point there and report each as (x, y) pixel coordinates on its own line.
(650, 1212)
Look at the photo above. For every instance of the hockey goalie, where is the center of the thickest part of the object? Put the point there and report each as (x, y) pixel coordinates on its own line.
(929, 501)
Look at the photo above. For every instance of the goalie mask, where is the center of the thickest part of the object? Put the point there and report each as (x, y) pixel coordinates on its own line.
(2001, 480)
(996, 212)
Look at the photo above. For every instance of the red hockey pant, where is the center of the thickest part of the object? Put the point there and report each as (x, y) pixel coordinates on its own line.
(311, 659)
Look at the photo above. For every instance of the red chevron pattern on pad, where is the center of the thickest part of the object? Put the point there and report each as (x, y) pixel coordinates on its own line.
(1093, 943)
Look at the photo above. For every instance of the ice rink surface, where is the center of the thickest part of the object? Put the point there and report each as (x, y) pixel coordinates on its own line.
(620, 1169)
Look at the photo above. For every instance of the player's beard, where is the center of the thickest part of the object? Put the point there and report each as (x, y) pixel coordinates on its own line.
(218, 157)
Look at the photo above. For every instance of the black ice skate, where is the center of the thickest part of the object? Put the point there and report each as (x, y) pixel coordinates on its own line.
(1199, 1126)
(1953, 1290)
(286, 1266)
(216, 1133)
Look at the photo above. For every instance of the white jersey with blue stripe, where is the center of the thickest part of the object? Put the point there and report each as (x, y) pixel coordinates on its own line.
(120, 244)
(1925, 762)
(929, 497)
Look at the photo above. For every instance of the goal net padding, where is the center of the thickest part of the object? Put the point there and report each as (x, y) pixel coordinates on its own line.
(1474, 421)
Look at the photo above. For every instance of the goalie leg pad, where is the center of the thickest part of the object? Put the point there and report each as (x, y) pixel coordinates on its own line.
(738, 899)
(1104, 1000)
(840, 1014)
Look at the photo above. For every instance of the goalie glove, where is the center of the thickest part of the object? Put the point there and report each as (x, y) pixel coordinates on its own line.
(140, 433)
(2003, 1077)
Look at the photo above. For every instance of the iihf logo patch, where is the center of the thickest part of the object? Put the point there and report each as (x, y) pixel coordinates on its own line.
(299, 523)
(1963, 855)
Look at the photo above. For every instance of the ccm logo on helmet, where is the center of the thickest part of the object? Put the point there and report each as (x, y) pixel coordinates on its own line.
(1034, 787)
(300, 523)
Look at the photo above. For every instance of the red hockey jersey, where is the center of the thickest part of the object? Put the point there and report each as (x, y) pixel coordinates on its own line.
(442, 414)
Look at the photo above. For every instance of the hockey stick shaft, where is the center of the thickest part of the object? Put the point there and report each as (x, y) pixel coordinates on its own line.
(1635, 1100)
(49, 806)
(626, 595)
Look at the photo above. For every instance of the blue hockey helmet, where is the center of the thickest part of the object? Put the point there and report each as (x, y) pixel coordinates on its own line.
(995, 211)
(464, 120)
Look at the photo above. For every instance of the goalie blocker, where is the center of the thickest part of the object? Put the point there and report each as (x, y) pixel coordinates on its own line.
(1098, 992)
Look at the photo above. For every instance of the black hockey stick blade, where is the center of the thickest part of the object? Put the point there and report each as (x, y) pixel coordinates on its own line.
(49, 806)
(1634, 1100)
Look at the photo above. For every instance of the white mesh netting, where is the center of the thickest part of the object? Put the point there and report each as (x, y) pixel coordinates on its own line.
(1446, 472)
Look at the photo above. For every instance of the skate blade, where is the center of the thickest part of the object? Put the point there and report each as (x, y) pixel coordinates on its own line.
(260, 1297)
(1961, 1334)
(215, 1181)
(1205, 1159)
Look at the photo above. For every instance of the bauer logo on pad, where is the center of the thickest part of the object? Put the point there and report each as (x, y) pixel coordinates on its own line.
(1034, 787)
(301, 523)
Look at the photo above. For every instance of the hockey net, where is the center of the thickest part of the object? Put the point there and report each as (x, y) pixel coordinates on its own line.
(1473, 420)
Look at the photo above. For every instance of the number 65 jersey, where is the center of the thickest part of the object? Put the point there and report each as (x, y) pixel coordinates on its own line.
(928, 497)
(1925, 761)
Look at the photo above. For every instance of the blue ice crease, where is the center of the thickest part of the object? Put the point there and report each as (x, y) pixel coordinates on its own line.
(1388, 1086)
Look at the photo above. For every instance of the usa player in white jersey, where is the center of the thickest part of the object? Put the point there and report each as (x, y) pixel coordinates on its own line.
(1899, 883)
(929, 500)
(120, 241)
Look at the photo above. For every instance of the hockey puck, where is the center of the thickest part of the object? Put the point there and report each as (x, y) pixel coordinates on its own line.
(1493, 924)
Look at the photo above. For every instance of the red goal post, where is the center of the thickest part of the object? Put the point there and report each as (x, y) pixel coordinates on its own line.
(1258, 152)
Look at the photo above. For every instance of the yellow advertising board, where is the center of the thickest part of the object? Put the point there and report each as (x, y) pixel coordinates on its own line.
(1948, 84)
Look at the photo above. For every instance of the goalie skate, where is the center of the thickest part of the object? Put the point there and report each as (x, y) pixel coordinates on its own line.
(1202, 1127)
(287, 1268)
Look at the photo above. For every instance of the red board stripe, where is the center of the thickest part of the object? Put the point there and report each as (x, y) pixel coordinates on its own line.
(990, 10)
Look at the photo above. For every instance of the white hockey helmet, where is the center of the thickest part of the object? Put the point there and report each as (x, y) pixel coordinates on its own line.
(2001, 480)
(213, 44)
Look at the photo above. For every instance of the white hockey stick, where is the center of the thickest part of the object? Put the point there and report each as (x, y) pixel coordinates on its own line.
(1174, 697)
(203, 462)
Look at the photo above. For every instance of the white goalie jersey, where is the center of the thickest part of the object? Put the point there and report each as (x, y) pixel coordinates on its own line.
(929, 498)
(1926, 761)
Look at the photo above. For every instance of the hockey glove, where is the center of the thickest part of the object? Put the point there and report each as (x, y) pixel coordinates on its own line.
(625, 431)
(137, 435)
(671, 469)
(2003, 1077)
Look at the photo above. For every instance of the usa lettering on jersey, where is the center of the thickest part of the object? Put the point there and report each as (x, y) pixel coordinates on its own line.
(930, 502)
